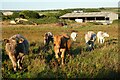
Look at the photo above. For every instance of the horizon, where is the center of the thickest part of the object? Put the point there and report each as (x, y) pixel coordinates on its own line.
(58, 9)
(53, 5)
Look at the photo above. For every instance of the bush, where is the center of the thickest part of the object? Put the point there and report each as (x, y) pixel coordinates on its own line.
(36, 67)
(50, 17)
(91, 10)
(45, 20)
(29, 14)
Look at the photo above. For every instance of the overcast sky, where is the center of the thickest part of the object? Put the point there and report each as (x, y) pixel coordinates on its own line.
(55, 4)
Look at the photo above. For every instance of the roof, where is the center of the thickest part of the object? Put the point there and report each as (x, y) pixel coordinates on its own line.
(86, 14)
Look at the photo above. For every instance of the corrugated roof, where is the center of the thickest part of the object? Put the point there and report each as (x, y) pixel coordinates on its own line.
(87, 14)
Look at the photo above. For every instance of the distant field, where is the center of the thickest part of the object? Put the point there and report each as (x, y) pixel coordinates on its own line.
(35, 33)
(100, 63)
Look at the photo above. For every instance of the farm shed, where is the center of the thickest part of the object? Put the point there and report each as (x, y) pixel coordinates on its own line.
(92, 16)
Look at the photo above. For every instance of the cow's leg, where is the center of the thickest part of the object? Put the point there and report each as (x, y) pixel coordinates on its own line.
(98, 40)
(52, 40)
(88, 46)
(92, 45)
(103, 40)
(62, 55)
(19, 64)
(69, 53)
(56, 54)
(20, 60)
(13, 59)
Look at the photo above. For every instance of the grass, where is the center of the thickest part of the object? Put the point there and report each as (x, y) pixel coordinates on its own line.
(100, 63)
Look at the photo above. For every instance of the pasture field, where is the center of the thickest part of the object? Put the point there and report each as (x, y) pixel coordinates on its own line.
(102, 62)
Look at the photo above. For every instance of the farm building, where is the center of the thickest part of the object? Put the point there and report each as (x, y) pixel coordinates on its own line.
(104, 17)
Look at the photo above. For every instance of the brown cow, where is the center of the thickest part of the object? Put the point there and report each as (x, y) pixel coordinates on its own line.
(16, 46)
(62, 44)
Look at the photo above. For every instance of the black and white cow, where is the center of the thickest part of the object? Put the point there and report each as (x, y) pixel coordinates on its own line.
(74, 35)
(16, 47)
(48, 37)
(90, 38)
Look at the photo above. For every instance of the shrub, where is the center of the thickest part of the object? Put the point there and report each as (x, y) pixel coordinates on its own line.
(15, 15)
(36, 67)
(29, 14)
(91, 10)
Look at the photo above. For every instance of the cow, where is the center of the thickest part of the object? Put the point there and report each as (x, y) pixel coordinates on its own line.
(62, 44)
(73, 36)
(48, 37)
(101, 36)
(90, 38)
(16, 47)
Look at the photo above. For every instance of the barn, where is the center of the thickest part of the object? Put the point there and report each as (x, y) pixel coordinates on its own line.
(104, 17)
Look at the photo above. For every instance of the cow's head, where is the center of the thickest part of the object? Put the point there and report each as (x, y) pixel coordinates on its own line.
(60, 40)
(105, 34)
(93, 37)
(74, 36)
(47, 38)
(57, 41)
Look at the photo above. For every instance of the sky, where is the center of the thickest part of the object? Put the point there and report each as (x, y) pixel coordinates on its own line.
(54, 4)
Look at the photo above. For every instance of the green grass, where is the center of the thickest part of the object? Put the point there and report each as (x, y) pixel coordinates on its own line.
(100, 63)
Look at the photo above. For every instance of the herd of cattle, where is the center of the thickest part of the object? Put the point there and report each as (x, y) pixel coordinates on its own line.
(17, 46)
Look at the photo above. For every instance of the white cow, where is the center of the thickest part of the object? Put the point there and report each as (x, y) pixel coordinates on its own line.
(73, 36)
(101, 36)
(90, 38)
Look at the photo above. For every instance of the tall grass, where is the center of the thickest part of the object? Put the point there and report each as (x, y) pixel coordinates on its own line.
(99, 63)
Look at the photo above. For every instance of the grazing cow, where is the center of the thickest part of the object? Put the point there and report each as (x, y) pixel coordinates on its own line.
(16, 46)
(48, 36)
(73, 36)
(62, 44)
(90, 38)
(101, 36)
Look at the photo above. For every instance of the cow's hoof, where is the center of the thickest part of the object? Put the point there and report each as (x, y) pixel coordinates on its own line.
(59, 60)
(63, 64)
(20, 68)
(15, 70)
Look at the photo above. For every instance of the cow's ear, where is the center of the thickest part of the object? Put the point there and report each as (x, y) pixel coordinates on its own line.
(6, 40)
(21, 40)
(13, 38)
(76, 34)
